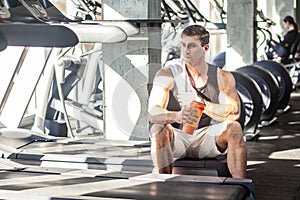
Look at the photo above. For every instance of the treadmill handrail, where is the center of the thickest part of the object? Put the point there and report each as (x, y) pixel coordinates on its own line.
(38, 35)
(97, 33)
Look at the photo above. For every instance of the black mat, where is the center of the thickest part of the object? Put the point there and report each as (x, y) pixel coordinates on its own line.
(174, 190)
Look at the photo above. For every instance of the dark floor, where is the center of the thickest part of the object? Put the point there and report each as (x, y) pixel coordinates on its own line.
(274, 157)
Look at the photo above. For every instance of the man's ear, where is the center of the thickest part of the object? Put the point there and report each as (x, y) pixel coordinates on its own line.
(206, 47)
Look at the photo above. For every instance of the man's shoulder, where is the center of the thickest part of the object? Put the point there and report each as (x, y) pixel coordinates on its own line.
(176, 66)
(164, 78)
(166, 71)
(170, 67)
(225, 79)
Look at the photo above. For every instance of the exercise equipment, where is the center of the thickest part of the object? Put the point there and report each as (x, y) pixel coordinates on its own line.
(219, 59)
(37, 35)
(3, 42)
(33, 35)
(54, 15)
(30, 11)
(186, 9)
(284, 82)
(4, 14)
(33, 11)
(35, 150)
(269, 91)
(252, 102)
(98, 33)
(74, 67)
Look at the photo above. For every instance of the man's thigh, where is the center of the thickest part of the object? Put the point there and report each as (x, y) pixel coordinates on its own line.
(202, 144)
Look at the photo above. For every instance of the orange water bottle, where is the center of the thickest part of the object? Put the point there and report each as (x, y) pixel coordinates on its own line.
(196, 110)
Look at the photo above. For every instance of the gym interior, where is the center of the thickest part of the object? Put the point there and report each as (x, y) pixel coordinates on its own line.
(74, 86)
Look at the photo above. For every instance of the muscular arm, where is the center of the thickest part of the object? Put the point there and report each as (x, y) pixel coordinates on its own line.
(229, 107)
(159, 98)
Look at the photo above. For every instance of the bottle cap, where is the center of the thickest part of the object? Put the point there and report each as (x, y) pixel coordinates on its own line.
(200, 101)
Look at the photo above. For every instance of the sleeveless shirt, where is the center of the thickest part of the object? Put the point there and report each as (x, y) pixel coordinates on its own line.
(182, 82)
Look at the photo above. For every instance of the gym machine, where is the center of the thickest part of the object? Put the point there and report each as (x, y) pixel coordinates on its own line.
(25, 149)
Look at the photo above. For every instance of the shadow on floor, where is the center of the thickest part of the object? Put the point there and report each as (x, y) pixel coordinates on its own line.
(274, 157)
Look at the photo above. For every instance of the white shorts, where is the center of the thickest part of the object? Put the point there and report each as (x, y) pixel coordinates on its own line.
(202, 144)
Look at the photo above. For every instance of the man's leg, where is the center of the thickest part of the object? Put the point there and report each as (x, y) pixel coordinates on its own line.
(232, 139)
(161, 147)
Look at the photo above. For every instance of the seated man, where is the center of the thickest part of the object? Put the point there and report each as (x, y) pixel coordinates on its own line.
(192, 78)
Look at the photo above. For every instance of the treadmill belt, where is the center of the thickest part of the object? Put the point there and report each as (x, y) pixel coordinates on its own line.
(17, 139)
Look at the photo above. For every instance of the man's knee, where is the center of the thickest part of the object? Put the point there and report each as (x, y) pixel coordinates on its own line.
(155, 129)
(161, 131)
(233, 130)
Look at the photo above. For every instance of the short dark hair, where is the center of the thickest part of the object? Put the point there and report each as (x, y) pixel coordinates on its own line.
(197, 30)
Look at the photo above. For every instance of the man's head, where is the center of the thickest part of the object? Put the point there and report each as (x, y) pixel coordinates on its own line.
(199, 31)
(194, 44)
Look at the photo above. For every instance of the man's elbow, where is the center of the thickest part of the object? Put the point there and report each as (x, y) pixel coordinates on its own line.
(234, 115)
(152, 112)
(150, 118)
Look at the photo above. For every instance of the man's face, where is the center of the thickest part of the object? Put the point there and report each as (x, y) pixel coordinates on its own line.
(191, 49)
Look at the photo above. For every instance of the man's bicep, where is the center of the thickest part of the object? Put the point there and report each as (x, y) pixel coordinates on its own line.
(229, 95)
(158, 96)
(160, 91)
(226, 83)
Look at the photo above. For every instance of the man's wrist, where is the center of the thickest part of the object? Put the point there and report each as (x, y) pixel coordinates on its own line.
(178, 117)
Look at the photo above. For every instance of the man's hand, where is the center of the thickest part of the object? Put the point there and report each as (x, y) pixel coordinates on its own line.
(183, 114)
(186, 98)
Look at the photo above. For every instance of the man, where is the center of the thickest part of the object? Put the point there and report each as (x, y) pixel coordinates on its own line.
(191, 78)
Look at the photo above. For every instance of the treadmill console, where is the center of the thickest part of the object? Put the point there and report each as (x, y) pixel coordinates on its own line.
(36, 8)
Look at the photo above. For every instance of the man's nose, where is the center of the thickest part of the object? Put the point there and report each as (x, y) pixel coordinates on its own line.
(186, 50)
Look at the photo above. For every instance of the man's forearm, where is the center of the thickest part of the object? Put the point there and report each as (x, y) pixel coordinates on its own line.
(221, 112)
(159, 115)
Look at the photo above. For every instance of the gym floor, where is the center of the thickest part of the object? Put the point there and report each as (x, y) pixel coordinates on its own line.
(81, 169)
(274, 157)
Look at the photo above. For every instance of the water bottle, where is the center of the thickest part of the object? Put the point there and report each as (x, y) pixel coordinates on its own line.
(196, 110)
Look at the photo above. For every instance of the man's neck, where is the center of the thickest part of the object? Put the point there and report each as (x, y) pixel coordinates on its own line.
(198, 74)
(197, 69)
